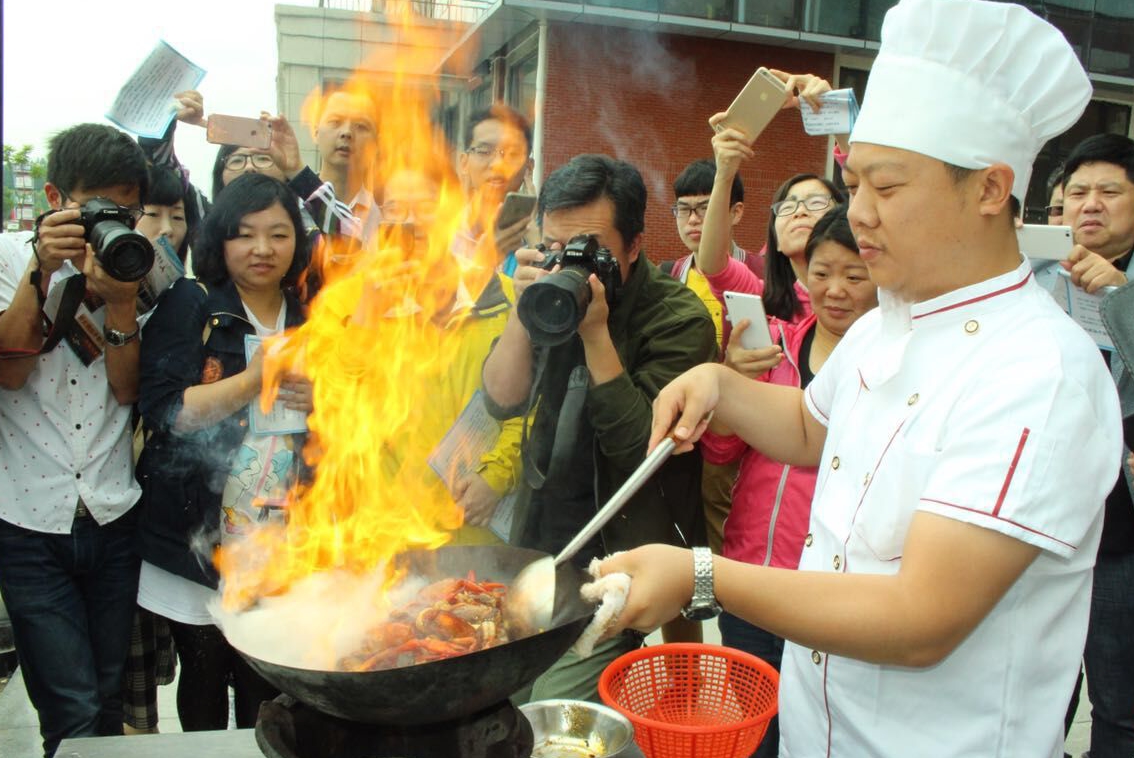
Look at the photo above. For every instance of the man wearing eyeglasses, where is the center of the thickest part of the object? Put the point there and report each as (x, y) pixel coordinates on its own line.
(68, 571)
(496, 161)
(966, 431)
(1098, 205)
(589, 397)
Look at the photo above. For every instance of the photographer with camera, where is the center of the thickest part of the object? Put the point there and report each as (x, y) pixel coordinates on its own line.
(581, 357)
(68, 570)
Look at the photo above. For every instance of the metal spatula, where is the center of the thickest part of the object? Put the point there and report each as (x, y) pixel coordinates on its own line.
(531, 598)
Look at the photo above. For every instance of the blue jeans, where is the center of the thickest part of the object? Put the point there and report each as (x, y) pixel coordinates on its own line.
(738, 633)
(71, 598)
(1109, 657)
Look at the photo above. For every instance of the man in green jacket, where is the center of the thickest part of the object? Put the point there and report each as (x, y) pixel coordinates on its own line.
(590, 396)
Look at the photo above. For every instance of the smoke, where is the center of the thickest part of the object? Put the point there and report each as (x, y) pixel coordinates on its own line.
(652, 69)
(319, 620)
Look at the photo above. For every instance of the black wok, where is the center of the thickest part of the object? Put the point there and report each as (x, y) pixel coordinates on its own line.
(451, 687)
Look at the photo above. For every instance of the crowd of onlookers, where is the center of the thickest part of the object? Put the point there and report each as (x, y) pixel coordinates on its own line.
(123, 468)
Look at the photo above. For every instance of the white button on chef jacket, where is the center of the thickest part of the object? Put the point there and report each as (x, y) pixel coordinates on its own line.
(987, 405)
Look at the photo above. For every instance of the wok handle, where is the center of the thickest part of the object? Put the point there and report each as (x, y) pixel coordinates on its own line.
(628, 489)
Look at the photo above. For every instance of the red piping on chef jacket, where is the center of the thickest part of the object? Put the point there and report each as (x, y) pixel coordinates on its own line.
(963, 303)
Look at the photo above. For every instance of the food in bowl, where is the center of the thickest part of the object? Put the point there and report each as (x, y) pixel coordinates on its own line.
(577, 729)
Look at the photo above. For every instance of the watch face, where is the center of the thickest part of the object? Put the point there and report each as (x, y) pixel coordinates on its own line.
(118, 339)
(701, 612)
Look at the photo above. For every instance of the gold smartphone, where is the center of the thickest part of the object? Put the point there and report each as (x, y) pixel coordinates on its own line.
(237, 130)
(756, 105)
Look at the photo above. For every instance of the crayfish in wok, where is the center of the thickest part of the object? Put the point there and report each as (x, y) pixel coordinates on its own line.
(447, 618)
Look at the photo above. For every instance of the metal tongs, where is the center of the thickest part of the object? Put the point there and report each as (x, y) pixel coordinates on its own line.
(531, 598)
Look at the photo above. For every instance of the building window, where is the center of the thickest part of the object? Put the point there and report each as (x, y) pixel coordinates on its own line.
(860, 19)
(1111, 51)
(649, 6)
(522, 86)
(779, 14)
(713, 10)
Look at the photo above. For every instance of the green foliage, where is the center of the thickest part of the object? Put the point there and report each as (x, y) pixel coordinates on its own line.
(21, 157)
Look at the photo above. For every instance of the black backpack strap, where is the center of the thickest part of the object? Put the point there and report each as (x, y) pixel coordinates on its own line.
(566, 427)
(74, 290)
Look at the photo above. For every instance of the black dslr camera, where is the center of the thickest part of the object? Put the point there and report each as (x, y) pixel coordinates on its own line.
(122, 252)
(552, 307)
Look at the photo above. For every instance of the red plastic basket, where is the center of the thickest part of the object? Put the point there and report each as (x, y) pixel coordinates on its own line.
(692, 701)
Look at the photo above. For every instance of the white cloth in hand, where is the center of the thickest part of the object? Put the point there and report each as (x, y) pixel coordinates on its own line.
(610, 593)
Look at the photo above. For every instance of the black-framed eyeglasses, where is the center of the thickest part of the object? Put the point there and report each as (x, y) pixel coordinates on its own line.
(237, 161)
(811, 203)
(486, 152)
(1054, 210)
(135, 213)
(683, 211)
(395, 211)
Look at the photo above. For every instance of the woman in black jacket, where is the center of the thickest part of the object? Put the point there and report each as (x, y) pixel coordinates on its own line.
(196, 389)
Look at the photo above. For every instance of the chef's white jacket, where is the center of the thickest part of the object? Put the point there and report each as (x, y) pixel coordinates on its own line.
(987, 405)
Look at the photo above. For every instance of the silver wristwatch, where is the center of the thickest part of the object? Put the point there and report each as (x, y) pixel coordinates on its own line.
(704, 603)
(115, 338)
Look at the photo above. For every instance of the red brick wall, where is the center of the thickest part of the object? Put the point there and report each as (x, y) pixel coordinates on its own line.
(646, 98)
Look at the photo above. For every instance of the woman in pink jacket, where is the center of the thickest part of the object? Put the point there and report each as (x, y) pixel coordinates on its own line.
(771, 502)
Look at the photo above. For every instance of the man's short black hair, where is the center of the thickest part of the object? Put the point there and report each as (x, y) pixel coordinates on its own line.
(697, 179)
(499, 112)
(1054, 179)
(93, 156)
(1101, 148)
(247, 193)
(587, 178)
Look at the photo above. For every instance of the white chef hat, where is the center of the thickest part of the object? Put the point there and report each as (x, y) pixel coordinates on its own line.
(971, 83)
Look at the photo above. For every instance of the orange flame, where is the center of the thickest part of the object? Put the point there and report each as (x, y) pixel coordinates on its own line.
(374, 351)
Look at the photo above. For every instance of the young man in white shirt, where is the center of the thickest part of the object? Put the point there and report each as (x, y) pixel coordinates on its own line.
(68, 570)
(496, 161)
(966, 432)
(346, 137)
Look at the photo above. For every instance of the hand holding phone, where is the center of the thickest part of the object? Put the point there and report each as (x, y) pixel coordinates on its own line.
(516, 206)
(756, 105)
(740, 306)
(240, 131)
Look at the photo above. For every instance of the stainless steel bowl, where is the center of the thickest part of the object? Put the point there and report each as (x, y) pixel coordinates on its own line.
(574, 728)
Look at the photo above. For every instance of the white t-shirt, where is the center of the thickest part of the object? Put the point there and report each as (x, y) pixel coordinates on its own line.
(990, 406)
(63, 434)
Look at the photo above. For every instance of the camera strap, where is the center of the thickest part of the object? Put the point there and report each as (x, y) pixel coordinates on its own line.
(74, 290)
(566, 427)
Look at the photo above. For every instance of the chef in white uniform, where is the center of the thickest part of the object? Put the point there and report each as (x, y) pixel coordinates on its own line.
(967, 431)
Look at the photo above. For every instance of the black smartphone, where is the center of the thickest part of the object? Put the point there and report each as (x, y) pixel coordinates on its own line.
(516, 206)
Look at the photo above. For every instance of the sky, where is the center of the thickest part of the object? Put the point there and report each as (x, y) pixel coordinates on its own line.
(65, 60)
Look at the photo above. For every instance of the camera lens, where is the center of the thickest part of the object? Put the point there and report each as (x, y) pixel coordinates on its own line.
(552, 308)
(123, 253)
